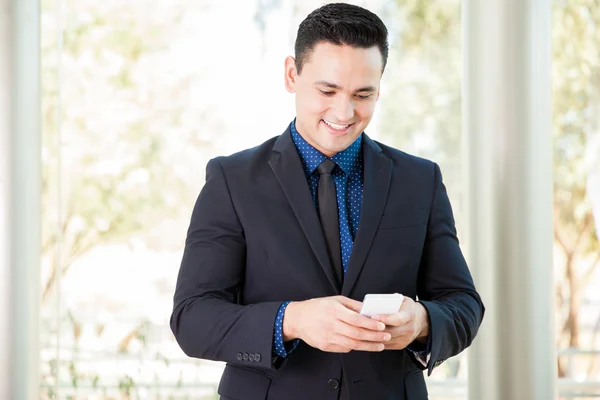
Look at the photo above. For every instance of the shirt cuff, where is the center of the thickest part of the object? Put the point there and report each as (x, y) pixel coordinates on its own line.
(280, 348)
(421, 351)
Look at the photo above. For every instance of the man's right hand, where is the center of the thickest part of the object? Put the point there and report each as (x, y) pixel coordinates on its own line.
(333, 324)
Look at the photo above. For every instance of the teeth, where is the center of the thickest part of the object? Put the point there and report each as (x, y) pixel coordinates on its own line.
(336, 126)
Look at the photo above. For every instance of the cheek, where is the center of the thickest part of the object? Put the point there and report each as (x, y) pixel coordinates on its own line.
(319, 106)
(365, 110)
(312, 103)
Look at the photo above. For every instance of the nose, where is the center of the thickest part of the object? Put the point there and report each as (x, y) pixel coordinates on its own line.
(343, 109)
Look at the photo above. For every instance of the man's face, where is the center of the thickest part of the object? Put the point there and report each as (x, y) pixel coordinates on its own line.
(336, 94)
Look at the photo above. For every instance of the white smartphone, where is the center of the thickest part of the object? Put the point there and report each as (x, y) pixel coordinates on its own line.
(381, 304)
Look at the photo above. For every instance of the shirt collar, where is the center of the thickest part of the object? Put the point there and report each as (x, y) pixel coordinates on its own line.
(348, 159)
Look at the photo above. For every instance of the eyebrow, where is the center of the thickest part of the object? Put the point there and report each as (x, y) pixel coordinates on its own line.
(338, 87)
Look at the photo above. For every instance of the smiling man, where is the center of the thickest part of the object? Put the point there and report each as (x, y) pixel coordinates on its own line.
(337, 87)
(288, 237)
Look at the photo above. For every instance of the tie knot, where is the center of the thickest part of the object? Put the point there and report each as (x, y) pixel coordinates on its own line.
(326, 167)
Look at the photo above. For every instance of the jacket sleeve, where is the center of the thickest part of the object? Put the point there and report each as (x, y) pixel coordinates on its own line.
(445, 286)
(208, 320)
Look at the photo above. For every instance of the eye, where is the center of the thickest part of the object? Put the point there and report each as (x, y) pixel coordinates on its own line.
(324, 93)
(363, 97)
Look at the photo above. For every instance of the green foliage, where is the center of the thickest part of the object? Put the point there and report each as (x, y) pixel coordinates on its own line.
(421, 107)
(74, 374)
(113, 183)
(576, 97)
(126, 384)
(105, 146)
(421, 104)
(576, 125)
(428, 23)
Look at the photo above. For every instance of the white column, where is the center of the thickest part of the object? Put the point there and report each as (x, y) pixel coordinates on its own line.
(509, 196)
(20, 197)
(5, 129)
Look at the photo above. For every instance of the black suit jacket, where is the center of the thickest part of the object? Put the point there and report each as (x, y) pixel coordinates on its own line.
(255, 240)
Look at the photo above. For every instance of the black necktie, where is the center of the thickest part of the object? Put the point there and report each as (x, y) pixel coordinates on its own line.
(328, 213)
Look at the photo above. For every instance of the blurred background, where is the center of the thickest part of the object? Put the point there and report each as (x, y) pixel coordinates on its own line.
(138, 95)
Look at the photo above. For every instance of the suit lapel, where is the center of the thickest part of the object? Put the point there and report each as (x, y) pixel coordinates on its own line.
(287, 167)
(377, 177)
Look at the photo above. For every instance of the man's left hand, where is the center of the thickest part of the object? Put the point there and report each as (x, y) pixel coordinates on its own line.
(407, 325)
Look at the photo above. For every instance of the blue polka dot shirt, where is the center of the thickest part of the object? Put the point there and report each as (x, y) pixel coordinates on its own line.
(348, 178)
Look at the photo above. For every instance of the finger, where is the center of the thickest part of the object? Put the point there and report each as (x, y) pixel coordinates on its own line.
(337, 349)
(400, 339)
(398, 319)
(363, 334)
(399, 345)
(353, 318)
(400, 332)
(360, 345)
(350, 303)
(407, 303)
(370, 346)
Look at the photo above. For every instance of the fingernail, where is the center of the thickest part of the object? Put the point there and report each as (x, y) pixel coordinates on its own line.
(387, 337)
(381, 347)
(381, 326)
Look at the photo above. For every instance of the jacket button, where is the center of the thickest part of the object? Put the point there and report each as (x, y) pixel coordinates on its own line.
(240, 357)
(245, 356)
(333, 384)
(251, 357)
(257, 357)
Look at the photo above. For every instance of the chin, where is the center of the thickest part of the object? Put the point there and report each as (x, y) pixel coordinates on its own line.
(338, 147)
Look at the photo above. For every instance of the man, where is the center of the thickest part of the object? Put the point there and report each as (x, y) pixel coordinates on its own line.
(287, 238)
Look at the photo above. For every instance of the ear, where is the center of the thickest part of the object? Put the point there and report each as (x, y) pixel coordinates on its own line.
(290, 74)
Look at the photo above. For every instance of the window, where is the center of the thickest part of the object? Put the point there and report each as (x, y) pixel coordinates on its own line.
(576, 130)
(137, 97)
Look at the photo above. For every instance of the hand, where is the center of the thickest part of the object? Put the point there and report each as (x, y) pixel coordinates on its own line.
(407, 325)
(333, 324)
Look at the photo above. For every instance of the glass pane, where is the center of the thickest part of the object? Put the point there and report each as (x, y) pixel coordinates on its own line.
(138, 96)
(51, 218)
(576, 129)
(113, 206)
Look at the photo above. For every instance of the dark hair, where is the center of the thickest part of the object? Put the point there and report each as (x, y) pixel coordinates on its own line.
(340, 24)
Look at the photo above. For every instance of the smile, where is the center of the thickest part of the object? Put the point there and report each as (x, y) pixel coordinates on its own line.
(336, 126)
